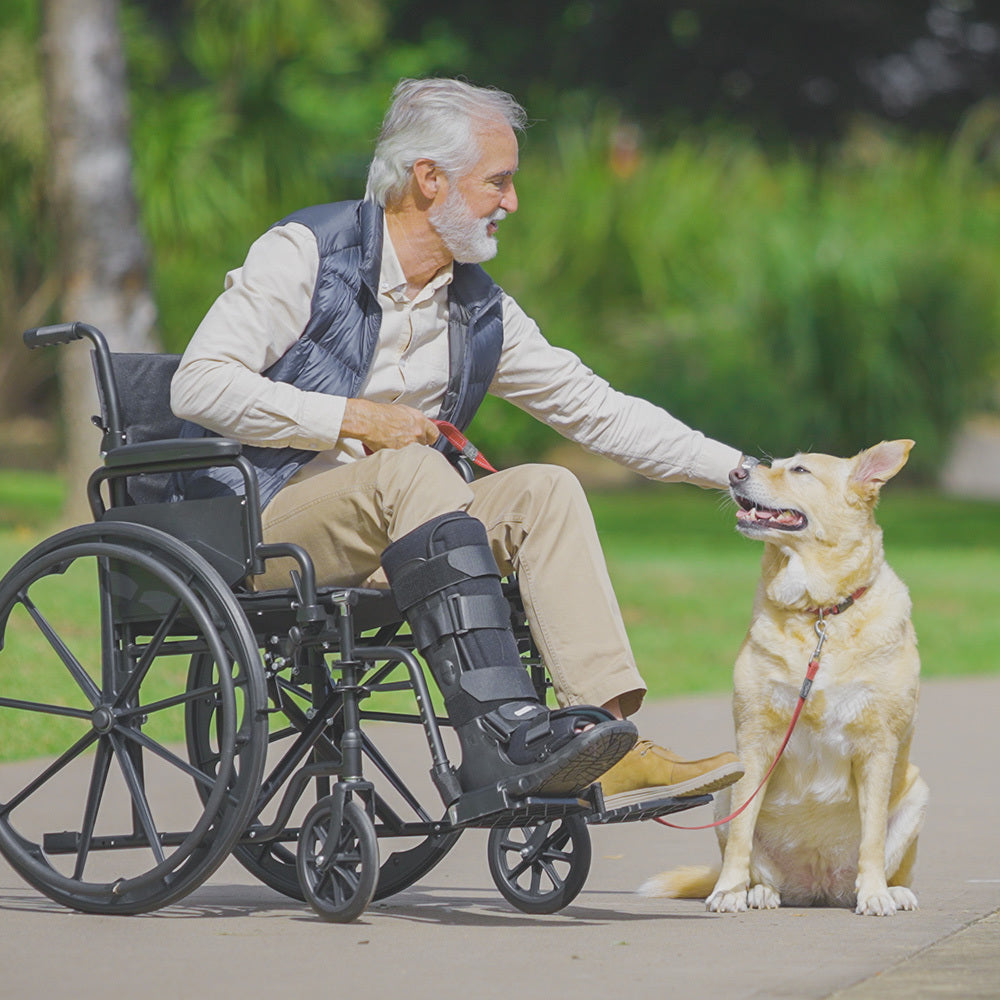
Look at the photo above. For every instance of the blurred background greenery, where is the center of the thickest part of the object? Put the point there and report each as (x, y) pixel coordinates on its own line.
(781, 221)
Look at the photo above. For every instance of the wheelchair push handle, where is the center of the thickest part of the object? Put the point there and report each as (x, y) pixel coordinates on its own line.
(62, 333)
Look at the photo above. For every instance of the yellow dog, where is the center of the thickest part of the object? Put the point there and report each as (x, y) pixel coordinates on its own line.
(836, 824)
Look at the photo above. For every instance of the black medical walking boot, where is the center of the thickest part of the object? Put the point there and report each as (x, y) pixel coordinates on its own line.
(446, 583)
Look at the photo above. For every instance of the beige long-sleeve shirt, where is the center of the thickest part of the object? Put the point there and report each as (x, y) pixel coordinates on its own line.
(265, 307)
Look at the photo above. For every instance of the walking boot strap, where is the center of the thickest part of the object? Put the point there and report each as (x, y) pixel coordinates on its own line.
(436, 584)
(530, 733)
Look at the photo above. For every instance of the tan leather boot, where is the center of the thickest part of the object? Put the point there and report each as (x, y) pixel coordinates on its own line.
(650, 772)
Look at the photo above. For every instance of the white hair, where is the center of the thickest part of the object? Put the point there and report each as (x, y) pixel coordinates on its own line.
(439, 120)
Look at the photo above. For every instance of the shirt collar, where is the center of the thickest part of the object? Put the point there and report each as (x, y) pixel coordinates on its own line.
(392, 281)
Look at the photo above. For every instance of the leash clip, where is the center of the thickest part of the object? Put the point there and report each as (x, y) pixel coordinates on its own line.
(820, 627)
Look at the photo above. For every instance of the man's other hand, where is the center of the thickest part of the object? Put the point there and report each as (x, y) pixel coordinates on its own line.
(386, 425)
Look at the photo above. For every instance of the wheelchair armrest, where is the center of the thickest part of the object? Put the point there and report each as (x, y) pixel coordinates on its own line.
(204, 450)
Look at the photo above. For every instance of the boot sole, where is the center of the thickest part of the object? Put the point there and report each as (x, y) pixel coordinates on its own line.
(711, 781)
(578, 764)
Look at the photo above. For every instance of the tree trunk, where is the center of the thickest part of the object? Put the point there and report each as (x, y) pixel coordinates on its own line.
(104, 262)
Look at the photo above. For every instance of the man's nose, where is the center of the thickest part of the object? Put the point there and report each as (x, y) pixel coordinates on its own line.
(509, 201)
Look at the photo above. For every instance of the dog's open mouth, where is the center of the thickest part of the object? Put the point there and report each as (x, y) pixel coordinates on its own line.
(752, 516)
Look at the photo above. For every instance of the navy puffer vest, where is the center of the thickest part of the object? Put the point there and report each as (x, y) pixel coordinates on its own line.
(335, 352)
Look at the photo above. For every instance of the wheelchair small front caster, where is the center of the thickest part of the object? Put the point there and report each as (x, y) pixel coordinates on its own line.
(540, 868)
(338, 869)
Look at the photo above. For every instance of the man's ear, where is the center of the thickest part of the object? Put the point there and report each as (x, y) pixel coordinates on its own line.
(876, 466)
(428, 177)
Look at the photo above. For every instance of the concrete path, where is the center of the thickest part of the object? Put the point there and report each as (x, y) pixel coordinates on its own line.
(453, 935)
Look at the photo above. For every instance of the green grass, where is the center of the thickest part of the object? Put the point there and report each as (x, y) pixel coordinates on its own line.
(685, 581)
(684, 578)
(28, 501)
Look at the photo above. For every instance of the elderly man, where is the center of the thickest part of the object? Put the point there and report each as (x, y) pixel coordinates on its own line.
(348, 330)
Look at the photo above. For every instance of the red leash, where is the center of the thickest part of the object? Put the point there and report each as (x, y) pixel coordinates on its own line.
(803, 694)
(463, 445)
(459, 442)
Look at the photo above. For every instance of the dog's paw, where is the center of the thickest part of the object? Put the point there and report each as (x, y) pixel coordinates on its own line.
(876, 904)
(727, 901)
(903, 897)
(763, 897)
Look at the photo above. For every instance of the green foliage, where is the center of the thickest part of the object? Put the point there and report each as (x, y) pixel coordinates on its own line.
(27, 281)
(772, 302)
(244, 113)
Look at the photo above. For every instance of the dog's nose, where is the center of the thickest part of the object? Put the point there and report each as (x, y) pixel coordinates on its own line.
(742, 471)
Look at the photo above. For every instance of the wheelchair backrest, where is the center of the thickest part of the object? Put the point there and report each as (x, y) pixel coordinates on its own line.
(143, 391)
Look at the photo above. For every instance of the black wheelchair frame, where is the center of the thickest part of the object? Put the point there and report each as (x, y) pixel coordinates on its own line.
(191, 682)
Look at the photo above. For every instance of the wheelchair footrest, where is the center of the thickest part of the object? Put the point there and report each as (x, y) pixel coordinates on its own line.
(637, 811)
(489, 807)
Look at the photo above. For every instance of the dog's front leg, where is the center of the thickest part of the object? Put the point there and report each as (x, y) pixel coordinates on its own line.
(873, 778)
(730, 894)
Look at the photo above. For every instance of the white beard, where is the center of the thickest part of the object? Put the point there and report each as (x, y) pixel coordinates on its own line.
(465, 236)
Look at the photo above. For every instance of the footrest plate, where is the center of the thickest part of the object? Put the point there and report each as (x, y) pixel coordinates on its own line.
(490, 807)
(650, 809)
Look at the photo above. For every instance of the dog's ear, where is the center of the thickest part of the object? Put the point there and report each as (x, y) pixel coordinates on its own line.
(876, 466)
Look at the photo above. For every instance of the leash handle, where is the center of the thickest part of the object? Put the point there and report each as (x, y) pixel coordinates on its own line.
(463, 445)
(459, 442)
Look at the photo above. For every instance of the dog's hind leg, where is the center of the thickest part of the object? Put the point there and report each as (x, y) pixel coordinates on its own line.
(763, 897)
(899, 884)
(905, 822)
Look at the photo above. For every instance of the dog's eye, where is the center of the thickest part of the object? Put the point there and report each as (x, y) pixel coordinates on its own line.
(801, 470)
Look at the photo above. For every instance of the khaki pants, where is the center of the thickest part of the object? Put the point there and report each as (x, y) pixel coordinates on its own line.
(539, 526)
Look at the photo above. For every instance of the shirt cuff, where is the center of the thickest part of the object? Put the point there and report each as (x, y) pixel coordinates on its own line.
(714, 464)
(320, 421)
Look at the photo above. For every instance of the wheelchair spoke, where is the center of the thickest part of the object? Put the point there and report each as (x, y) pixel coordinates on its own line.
(536, 880)
(98, 781)
(44, 708)
(554, 878)
(136, 736)
(140, 804)
(72, 664)
(150, 652)
(346, 877)
(50, 772)
(166, 703)
(521, 868)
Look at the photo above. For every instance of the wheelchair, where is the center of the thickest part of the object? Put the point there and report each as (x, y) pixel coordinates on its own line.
(193, 717)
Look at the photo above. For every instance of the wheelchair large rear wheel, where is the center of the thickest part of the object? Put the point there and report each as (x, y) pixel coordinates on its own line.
(99, 625)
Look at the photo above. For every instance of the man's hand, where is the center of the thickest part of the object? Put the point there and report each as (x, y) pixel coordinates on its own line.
(386, 425)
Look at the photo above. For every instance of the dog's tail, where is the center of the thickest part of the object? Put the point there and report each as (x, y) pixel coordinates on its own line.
(692, 882)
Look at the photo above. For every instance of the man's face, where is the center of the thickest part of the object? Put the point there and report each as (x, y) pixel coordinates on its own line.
(476, 203)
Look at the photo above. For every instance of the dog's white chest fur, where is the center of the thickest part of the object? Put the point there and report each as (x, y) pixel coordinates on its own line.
(807, 834)
(816, 765)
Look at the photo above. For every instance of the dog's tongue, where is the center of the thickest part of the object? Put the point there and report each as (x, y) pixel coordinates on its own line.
(763, 514)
